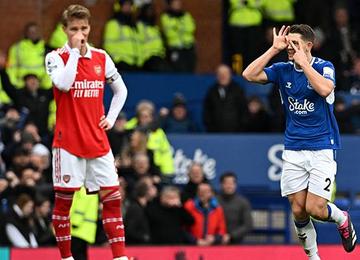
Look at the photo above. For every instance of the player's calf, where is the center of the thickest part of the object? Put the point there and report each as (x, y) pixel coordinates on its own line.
(61, 223)
(113, 223)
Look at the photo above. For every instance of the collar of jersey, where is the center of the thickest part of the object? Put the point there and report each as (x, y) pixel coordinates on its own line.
(300, 70)
(87, 54)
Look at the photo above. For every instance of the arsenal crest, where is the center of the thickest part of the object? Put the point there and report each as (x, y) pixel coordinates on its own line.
(66, 178)
(98, 70)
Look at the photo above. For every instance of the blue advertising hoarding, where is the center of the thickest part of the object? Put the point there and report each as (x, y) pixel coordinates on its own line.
(256, 159)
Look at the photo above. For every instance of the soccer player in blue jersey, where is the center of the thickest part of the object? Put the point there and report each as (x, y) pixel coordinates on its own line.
(306, 85)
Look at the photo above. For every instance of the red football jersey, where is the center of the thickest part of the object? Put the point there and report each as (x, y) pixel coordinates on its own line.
(79, 110)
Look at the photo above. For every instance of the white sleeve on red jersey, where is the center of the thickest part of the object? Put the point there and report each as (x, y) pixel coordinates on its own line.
(118, 87)
(111, 73)
(63, 76)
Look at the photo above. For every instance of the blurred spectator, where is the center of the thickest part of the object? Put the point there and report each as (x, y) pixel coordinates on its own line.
(143, 105)
(196, 176)
(179, 30)
(27, 56)
(58, 37)
(224, 104)
(153, 50)
(137, 227)
(17, 156)
(345, 114)
(320, 47)
(4, 98)
(167, 218)
(32, 97)
(209, 227)
(245, 34)
(83, 219)
(177, 120)
(121, 39)
(277, 115)
(9, 125)
(140, 168)
(29, 176)
(279, 12)
(19, 229)
(118, 135)
(40, 158)
(43, 228)
(344, 46)
(157, 139)
(354, 77)
(257, 119)
(353, 7)
(237, 209)
(125, 197)
(136, 145)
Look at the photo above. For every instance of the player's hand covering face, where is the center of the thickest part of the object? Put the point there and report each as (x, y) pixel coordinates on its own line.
(297, 48)
(77, 31)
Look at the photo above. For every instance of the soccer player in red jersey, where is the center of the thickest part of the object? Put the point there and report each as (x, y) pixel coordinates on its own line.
(81, 151)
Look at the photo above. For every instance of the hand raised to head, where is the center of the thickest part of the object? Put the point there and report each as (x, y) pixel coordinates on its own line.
(279, 40)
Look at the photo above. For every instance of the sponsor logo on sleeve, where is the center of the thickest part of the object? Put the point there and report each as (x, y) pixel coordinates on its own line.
(328, 72)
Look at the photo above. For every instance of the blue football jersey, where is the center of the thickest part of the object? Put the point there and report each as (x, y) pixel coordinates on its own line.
(310, 121)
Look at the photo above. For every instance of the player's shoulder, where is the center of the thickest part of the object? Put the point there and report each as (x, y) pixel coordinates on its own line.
(61, 51)
(98, 51)
(94, 49)
(319, 62)
(57, 52)
(282, 65)
(54, 56)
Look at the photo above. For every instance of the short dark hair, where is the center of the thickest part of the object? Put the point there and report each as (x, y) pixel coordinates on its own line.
(306, 32)
(226, 175)
(141, 189)
(75, 12)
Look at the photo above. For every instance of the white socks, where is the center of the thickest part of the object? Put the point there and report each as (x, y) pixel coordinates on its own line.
(314, 257)
(307, 237)
(336, 214)
(122, 258)
(68, 258)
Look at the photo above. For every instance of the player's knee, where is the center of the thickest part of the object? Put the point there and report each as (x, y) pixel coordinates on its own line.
(63, 201)
(299, 212)
(298, 209)
(317, 210)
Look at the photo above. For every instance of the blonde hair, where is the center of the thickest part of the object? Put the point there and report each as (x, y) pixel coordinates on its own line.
(75, 12)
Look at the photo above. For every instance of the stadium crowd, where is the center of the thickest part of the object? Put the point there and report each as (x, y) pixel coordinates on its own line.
(155, 211)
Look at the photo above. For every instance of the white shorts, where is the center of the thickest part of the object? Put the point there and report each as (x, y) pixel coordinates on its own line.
(311, 170)
(71, 172)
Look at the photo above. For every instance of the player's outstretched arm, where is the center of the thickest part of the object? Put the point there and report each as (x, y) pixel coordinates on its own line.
(255, 71)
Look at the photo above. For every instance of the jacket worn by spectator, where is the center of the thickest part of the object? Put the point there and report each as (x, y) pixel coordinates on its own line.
(237, 212)
(36, 102)
(166, 223)
(225, 108)
(208, 221)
